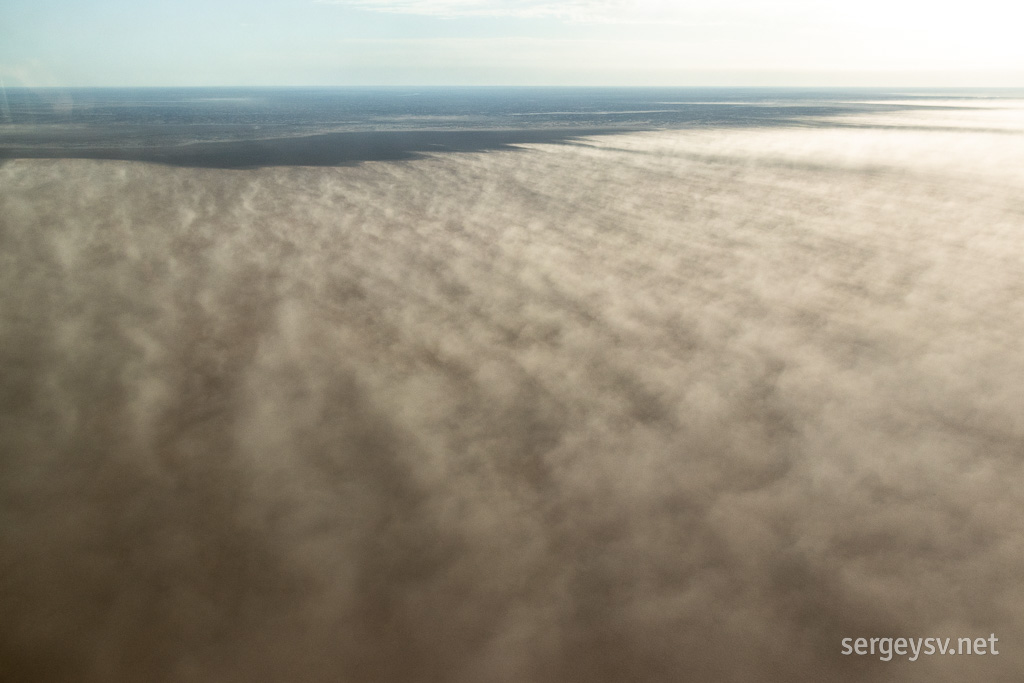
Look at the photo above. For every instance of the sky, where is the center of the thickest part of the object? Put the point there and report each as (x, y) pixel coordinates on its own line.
(515, 42)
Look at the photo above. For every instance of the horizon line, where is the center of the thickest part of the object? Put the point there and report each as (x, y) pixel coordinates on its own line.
(548, 86)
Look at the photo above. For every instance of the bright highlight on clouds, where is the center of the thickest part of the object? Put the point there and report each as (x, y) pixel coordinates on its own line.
(913, 14)
(660, 36)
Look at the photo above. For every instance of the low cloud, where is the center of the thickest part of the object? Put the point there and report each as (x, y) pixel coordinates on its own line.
(662, 406)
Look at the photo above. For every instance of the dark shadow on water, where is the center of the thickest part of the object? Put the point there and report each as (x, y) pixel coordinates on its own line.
(332, 149)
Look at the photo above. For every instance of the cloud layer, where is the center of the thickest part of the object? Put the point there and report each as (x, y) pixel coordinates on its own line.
(573, 10)
(666, 406)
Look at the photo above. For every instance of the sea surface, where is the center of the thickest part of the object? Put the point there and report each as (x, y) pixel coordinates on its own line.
(251, 127)
(510, 385)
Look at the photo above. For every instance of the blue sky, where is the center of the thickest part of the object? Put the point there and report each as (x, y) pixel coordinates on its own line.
(517, 42)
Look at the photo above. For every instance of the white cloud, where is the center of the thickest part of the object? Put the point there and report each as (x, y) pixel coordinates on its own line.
(584, 11)
(794, 34)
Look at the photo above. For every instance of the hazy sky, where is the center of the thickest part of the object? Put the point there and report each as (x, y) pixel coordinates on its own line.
(589, 42)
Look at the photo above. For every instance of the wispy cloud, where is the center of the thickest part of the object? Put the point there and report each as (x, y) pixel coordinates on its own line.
(688, 405)
(584, 11)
